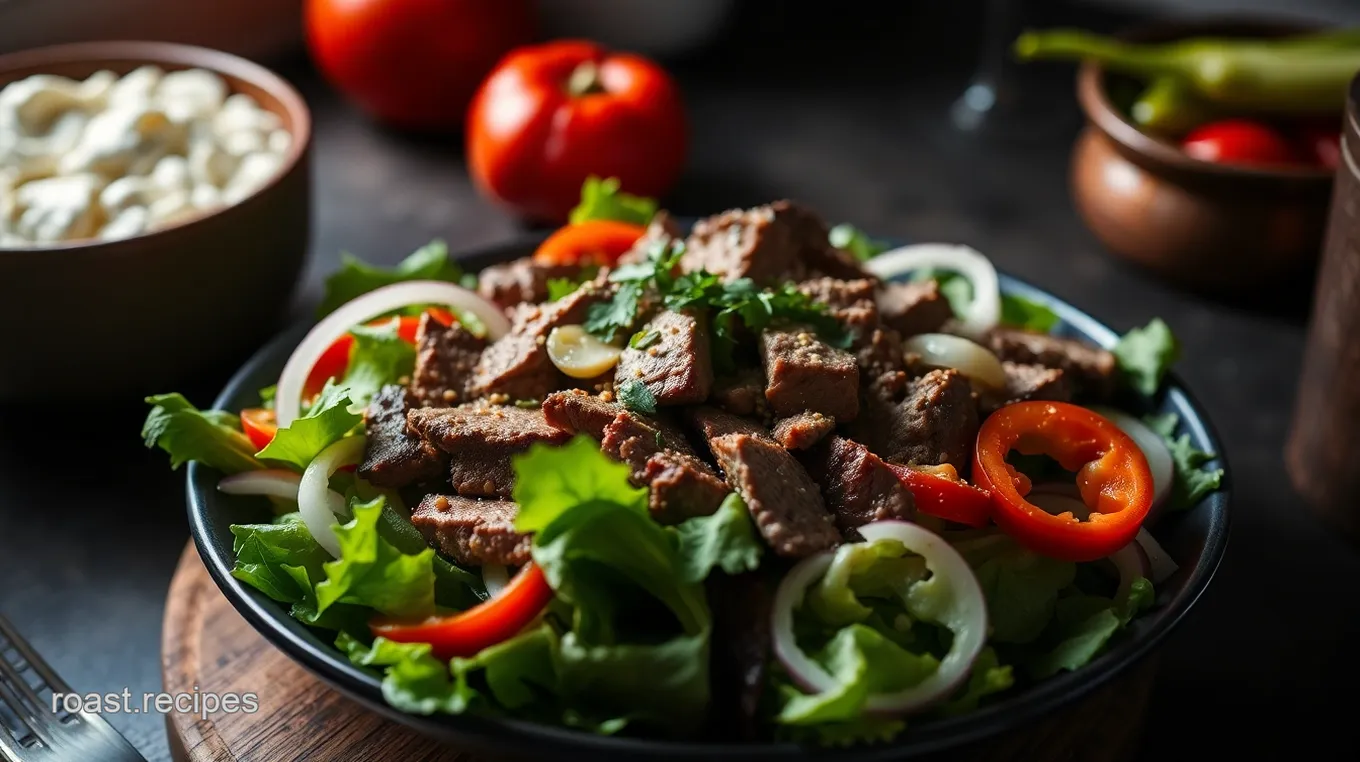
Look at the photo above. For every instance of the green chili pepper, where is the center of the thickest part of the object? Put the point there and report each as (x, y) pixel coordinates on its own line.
(1170, 105)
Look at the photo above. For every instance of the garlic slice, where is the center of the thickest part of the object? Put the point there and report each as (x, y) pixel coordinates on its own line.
(578, 354)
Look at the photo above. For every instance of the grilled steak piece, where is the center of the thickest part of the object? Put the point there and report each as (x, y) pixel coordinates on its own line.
(740, 394)
(522, 280)
(849, 301)
(633, 438)
(1090, 370)
(741, 651)
(517, 364)
(880, 353)
(799, 432)
(674, 360)
(768, 244)
(445, 357)
(579, 412)
(924, 421)
(661, 230)
(914, 307)
(682, 487)
(1026, 382)
(393, 457)
(804, 373)
(858, 486)
(482, 439)
(472, 532)
(784, 501)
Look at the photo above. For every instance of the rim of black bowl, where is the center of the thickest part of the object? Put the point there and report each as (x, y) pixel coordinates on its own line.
(518, 737)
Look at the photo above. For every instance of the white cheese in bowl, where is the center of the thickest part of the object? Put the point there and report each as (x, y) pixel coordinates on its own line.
(113, 157)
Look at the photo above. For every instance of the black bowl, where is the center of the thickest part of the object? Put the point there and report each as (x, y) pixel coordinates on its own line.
(1195, 539)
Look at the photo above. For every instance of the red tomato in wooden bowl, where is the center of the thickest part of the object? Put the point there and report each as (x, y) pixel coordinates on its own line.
(552, 115)
(414, 64)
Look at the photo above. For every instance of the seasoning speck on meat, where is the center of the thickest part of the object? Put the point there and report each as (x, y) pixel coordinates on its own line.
(674, 363)
(804, 373)
(482, 439)
(445, 357)
(393, 457)
(924, 421)
(858, 486)
(799, 432)
(471, 531)
(784, 502)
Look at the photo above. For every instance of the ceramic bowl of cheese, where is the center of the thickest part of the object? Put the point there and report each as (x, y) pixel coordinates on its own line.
(152, 195)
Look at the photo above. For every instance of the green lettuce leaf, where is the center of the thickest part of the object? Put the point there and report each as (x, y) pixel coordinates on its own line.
(371, 572)
(880, 569)
(1144, 355)
(862, 247)
(661, 685)
(413, 679)
(379, 357)
(988, 677)
(356, 278)
(726, 540)
(283, 561)
(515, 674)
(602, 200)
(185, 433)
(1022, 589)
(1193, 482)
(1083, 625)
(1019, 312)
(863, 662)
(329, 419)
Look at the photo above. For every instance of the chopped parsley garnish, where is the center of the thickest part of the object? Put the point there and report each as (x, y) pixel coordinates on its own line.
(862, 247)
(635, 396)
(644, 339)
(560, 287)
(607, 319)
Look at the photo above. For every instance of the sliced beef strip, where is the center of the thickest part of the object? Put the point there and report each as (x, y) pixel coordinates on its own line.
(741, 652)
(393, 457)
(914, 307)
(804, 373)
(801, 431)
(740, 394)
(482, 439)
(522, 280)
(1090, 370)
(682, 487)
(1026, 382)
(445, 357)
(471, 531)
(858, 486)
(517, 364)
(783, 500)
(579, 412)
(676, 366)
(924, 421)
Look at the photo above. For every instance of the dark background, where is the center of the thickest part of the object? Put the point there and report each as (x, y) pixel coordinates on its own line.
(847, 111)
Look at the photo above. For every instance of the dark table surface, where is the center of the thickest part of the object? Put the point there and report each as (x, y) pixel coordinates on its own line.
(849, 115)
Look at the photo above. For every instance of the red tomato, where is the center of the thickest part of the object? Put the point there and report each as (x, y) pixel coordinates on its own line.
(551, 115)
(258, 424)
(335, 359)
(414, 64)
(1321, 144)
(593, 242)
(1238, 141)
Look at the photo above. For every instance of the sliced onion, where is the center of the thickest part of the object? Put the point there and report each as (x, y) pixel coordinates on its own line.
(376, 303)
(983, 312)
(1159, 561)
(494, 578)
(1131, 563)
(1059, 498)
(269, 482)
(317, 502)
(943, 350)
(964, 612)
(1153, 446)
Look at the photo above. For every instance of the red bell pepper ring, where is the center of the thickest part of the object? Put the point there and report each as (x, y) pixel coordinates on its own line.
(334, 361)
(593, 242)
(486, 624)
(1112, 476)
(949, 499)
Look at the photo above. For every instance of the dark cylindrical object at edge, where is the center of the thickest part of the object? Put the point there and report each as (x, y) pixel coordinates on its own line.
(1322, 454)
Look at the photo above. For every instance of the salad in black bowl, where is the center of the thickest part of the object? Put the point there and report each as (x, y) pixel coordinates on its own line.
(761, 482)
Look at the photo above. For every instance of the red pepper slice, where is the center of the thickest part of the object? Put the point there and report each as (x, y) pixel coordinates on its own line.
(486, 624)
(259, 425)
(950, 499)
(593, 242)
(1112, 476)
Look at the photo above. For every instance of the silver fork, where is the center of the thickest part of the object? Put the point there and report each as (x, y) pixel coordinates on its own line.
(31, 731)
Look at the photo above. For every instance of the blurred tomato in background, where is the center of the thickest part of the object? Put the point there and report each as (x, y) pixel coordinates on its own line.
(552, 115)
(414, 64)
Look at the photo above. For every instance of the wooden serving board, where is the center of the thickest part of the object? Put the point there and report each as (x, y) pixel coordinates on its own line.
(207, 647)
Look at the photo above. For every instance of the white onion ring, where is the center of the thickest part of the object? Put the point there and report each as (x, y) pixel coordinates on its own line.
(1131, 563)
(272, 482)
(1153, 446)
(964, 612)
(376, 303)
(1058, 498)
(317, 502)
(944, 350)
(984, 312)
(1159, 561)
(494, 578)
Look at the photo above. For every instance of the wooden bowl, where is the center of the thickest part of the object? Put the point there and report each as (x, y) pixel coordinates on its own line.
(99, 319)
(1200, 225)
